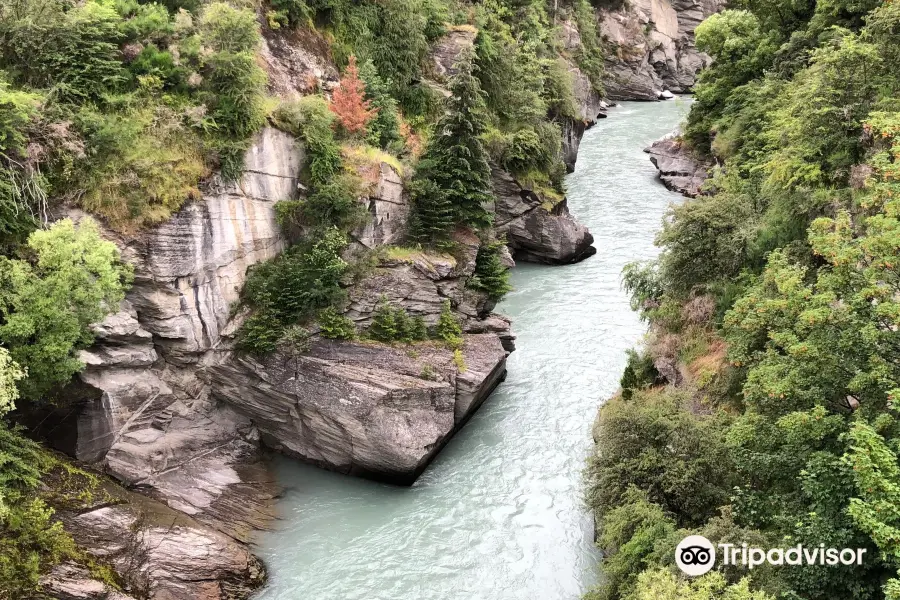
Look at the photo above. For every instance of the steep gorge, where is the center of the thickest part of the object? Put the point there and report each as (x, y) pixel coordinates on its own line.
(168, 407)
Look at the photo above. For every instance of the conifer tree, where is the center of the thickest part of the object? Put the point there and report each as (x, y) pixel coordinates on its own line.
(348, 101)
(491, 276)
(455, 164)
(384, 326)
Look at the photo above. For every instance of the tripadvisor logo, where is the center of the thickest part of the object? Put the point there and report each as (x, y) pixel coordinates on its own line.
(696, 555)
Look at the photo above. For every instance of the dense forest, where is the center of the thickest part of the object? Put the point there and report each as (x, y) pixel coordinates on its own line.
(761, 409)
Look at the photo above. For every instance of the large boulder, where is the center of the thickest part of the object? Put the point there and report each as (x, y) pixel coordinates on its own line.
(679, 169)
(158, 552)
(537, 229)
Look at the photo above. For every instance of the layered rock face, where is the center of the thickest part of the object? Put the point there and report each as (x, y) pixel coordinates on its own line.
(169, 417)
(654, 50)
(536, 229)
(365, 409)
(588, 103)
(152, 423)
(159, 553)
(679, 170)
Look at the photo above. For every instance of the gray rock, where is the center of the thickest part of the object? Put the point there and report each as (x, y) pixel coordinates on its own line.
(366, 409)
(653, 50)
(679, 170)
(152, 423)
(446, 50)
(536, 232)
(158, 552)
(297, 61)
(421, 282)
(587, 99)
(388, 210)
(69, 581)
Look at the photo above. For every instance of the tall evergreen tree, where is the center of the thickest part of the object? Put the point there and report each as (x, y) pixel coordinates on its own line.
(455, 163)
(491, 276)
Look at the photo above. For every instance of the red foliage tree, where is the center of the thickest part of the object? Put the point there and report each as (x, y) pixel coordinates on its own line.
(348, 101)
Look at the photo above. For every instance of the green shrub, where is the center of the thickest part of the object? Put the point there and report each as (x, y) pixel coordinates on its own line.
(31, 541)
(73, 50)
(384, 129)
(260, 332)
(142, 165)
(335, 204)
(48, 305)
(635, 535)
(233, 81)
(310, 119)
(394, 324)
(459, 361)
(17, 109)
(333, 325)
(639, 373)
(654, 443)
(448, 329)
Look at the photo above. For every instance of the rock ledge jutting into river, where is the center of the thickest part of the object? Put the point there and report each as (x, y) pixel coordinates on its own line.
(679, 170)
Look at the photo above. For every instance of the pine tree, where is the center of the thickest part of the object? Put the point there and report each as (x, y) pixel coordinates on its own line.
(455, 164)
(491, 276)
(384, 326)
(348, 101)
(448, 328)
(432, 219)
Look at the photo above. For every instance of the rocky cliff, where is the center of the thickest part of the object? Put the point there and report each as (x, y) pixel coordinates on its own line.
(168, 408)
(651, 47)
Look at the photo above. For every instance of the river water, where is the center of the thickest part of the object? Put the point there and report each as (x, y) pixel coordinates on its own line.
(499, 514)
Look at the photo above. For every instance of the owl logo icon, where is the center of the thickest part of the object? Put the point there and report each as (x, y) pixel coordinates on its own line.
(695, 555)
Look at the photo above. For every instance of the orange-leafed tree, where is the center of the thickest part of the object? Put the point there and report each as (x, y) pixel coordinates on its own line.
(348, 101)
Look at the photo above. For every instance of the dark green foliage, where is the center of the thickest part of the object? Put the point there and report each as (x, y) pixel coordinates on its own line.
(797, 248)
(333, 325)
(634, 536)
(639, 373)
(455, 164)
(31, 541)
(75, 52)
(384, 129)
(491, 276)
(590, 55)
(335, 204)
(654, 443)
(431, 220)
(292, 288)
(233, 81)
(448, 329)
(394, 324)
(393, 34)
